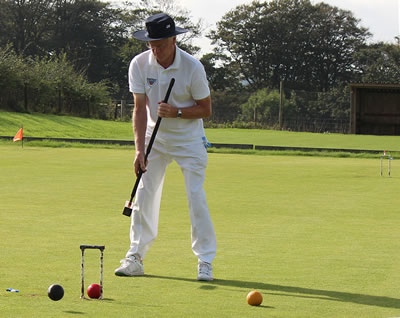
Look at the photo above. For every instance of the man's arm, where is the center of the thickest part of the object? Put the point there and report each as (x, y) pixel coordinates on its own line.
(202, 109)
(139, 122)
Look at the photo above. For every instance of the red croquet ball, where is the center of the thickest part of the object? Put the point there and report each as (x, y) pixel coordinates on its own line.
(94, 291)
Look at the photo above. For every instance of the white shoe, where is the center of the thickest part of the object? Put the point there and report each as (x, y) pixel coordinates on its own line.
(205, 271)
(130, 266)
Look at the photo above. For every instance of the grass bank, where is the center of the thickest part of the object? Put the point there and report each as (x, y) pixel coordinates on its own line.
(40, 125)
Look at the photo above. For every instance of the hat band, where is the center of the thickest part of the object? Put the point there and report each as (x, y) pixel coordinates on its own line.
(158, 35)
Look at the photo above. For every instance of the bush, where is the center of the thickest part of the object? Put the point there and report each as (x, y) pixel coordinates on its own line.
(11, 80)
(50, 85)
(262, 107)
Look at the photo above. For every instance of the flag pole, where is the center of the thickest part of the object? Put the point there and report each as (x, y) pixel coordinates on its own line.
(22, 137)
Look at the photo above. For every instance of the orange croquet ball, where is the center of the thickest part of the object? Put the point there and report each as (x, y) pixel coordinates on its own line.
(254, 298)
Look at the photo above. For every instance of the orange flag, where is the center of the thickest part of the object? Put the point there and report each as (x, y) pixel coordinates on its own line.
(19, 135)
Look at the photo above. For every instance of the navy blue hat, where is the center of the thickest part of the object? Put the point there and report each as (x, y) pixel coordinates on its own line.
(159, 26)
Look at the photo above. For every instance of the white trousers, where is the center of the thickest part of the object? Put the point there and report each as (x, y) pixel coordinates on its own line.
(192, 160)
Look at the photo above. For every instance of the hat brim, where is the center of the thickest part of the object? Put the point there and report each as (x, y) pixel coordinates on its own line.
(143, 35)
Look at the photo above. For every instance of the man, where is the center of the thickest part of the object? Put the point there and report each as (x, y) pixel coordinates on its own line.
(180, 137)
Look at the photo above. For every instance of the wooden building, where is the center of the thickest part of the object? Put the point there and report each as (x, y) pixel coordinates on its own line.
(375, 109)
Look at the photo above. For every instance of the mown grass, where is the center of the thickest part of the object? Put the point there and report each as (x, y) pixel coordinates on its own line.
(318, 237)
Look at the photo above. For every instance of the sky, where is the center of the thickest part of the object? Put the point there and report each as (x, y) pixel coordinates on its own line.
(381, 17)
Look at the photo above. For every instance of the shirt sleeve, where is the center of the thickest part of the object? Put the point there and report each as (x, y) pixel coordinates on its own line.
(135, 77)
(199, 87)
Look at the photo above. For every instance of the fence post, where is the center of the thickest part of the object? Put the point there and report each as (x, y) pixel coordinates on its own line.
(123, 107)
(26, 96)
(281, 106)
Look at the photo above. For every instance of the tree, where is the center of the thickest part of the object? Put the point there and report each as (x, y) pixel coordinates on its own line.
(262, 107)
(379, 62)
(91, 32)
(318, 111)
(12, 69)
(26, 25)
(308, 46)
(226, 105)
(220, 77)
(49, 85)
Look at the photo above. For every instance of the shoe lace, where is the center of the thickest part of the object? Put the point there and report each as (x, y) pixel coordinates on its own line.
(131, 259)
(204, 268)
(124, 261)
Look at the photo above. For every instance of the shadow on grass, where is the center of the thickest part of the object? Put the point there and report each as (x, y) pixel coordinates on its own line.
(290, 291)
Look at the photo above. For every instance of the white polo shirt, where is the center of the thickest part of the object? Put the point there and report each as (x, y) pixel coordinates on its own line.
(148, 77)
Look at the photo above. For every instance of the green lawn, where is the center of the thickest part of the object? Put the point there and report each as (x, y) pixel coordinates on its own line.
(40, 125)
(318, 237)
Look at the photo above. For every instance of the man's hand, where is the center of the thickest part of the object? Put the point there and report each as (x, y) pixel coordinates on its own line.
(201, 109)
(167, 110)
(139, 163)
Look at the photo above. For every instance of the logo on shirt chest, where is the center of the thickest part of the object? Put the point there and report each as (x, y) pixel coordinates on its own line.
(151, 81)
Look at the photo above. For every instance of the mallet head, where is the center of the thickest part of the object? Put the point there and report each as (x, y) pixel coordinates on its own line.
(127, 209)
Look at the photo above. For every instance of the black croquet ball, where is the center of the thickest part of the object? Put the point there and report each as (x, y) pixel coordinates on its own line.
(55, 292)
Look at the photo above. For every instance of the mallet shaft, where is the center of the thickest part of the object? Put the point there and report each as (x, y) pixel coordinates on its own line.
(128, 210)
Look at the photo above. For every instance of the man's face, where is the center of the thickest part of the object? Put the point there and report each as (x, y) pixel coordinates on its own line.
(163, 50)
